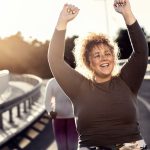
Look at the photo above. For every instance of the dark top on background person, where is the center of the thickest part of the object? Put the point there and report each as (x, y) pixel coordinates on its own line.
(106, 105)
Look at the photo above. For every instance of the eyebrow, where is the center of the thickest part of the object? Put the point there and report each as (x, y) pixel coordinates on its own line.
(104, 52)
(96, 53)
(108, 51)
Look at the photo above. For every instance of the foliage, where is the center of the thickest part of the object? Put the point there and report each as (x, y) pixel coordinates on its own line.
(124, 43)
(20, 56)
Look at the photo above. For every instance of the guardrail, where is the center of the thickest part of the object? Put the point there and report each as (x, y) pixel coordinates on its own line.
(27, 99)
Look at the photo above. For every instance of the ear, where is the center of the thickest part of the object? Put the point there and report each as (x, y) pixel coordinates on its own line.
(89, 64)
(115, 59)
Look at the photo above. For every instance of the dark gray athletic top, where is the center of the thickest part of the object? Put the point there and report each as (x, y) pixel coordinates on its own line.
(106, 112)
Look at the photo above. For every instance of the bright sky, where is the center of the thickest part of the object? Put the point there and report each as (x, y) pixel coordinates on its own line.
(37, 18)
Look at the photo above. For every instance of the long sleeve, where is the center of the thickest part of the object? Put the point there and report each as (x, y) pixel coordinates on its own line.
(69, 79)
(134, 70)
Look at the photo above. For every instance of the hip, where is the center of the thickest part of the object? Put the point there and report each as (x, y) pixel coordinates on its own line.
(136, 145)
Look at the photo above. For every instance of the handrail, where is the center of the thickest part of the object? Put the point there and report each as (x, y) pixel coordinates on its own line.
(30, 96)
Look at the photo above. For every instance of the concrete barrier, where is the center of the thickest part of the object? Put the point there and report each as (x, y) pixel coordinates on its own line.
(4, 80)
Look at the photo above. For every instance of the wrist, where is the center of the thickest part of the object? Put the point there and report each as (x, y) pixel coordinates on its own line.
(61, 25)
(129, 18)
(127, 13)
(53, 114)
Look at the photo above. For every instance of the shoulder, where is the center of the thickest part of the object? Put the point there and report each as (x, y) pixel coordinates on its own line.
(118, 81)
(51, 82)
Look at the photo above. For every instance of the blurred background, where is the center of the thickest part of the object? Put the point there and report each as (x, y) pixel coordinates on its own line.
(27, 26)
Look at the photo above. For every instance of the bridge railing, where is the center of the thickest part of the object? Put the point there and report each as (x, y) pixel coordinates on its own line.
(27, 99)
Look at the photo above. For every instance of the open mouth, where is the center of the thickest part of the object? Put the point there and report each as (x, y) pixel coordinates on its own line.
(104, 65)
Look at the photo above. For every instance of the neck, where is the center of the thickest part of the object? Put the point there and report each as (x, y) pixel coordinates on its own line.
(101, 80)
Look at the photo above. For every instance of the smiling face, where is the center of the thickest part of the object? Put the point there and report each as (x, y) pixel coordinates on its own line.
(102, 62)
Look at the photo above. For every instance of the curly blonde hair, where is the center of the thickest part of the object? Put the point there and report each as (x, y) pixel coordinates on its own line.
(83, 47)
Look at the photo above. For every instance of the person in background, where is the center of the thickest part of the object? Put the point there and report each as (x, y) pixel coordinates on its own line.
(105, 102)
(59, 106)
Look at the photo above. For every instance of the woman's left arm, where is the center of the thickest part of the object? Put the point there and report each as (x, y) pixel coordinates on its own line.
(134, 70)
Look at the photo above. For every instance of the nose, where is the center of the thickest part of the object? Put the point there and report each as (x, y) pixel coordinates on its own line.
(103, 57)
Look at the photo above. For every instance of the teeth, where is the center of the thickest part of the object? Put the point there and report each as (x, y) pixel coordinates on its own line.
(104, 65)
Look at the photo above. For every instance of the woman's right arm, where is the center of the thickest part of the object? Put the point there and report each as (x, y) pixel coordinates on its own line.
(68, 78)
